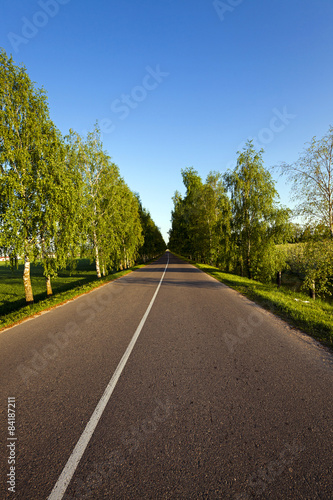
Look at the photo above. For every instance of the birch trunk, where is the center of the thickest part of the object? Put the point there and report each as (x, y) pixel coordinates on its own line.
(29, 297)
(48, 286)
(98, 269)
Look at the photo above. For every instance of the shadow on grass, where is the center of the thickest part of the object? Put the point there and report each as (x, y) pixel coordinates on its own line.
(9, 306)
(13, 279)
(14, 310)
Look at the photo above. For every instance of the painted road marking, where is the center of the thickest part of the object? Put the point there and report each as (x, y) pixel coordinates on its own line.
(73, 461)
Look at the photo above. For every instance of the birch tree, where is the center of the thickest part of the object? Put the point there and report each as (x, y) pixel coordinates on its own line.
(100, 177)
(257, 220)
(312, 181)
(110, 209)
(61, 221)
(24, 119)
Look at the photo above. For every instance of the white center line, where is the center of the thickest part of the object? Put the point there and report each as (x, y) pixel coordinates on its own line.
(73, 461)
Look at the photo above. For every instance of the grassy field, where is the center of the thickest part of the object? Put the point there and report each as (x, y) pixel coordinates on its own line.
(65, 287)
(313, 317)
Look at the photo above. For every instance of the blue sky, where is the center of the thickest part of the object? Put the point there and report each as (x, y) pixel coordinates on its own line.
(180, 83)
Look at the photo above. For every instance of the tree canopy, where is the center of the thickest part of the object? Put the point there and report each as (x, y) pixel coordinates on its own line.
(61, 197)
(232, 220)
(312, 181)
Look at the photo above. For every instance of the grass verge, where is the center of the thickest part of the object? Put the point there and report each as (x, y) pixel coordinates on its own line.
(314, 317)
(21, 312)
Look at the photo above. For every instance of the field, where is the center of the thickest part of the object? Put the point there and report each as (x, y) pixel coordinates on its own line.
(67, 285)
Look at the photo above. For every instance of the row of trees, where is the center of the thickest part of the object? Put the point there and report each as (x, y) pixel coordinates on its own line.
(61, 195)
(232, 220)
(235, 221)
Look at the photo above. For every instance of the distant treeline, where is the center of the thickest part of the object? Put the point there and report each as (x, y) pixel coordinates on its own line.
(62, 197)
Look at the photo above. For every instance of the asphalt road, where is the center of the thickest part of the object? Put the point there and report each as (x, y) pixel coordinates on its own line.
(218, 399)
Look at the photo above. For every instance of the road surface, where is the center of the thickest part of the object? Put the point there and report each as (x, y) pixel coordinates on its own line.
(218, 398)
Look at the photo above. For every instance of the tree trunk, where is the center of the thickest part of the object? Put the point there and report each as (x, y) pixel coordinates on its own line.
(29, 297)
(48, 286)
(48, 277)
(98, 269)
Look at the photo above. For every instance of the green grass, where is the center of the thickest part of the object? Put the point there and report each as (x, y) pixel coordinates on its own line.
(65, 286)
(314, 317)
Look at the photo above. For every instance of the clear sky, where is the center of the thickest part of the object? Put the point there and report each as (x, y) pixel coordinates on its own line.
(180, 83)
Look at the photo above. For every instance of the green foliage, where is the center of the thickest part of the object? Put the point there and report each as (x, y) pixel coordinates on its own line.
(59, 196)
(318, 267)
(109, 210)
(272, 259)
(258, 223)
(201, 221)
(240, 232)
(311, 177)
(32, 174)
(24, 128)
(153, 244)
(100, 179)
(313, 261)
(129, 229)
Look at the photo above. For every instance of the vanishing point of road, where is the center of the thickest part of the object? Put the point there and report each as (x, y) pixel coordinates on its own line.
(165, 384)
